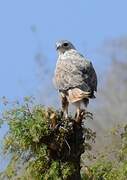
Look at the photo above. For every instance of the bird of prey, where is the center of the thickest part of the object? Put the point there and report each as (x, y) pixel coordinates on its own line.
(75, 77)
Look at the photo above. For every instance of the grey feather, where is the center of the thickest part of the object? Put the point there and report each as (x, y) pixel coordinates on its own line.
(73, 70)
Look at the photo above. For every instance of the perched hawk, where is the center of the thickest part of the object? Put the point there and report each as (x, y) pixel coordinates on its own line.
(75, 77)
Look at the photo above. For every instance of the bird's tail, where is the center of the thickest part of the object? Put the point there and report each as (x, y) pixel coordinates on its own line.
(77, 94)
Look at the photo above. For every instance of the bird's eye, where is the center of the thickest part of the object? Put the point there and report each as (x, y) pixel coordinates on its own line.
(65, 44)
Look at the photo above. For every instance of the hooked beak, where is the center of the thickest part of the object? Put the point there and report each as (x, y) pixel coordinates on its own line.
(58, 45)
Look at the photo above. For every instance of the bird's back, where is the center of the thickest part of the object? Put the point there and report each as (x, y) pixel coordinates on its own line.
(71, 71)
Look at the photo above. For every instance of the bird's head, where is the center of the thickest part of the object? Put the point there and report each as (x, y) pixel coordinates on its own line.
(63, 46)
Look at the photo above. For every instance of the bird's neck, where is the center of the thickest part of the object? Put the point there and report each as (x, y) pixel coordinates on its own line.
(67, 54)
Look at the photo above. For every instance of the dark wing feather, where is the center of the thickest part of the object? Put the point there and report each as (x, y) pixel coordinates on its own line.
(91, 78)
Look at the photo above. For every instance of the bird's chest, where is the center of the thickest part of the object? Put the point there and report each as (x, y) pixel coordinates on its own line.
(66, 67)
(67, 73)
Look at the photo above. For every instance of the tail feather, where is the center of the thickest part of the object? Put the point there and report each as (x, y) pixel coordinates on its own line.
(77, 94)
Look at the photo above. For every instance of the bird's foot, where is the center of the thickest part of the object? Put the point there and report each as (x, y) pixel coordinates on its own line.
(64, 115)
(88, 115)
(79, 117)
(55, 128)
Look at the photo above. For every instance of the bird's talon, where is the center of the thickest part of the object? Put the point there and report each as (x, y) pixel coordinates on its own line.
(57, 126)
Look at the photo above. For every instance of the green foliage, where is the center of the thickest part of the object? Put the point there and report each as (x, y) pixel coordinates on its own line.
(1, 122)
(123, 151)
(42, 145)
(106, 169)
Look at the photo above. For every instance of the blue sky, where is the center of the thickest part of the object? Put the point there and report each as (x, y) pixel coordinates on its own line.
(87, 23)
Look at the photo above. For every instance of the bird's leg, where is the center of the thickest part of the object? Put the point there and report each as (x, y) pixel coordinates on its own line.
(77, 114)
(65, 104)
(78, 111)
